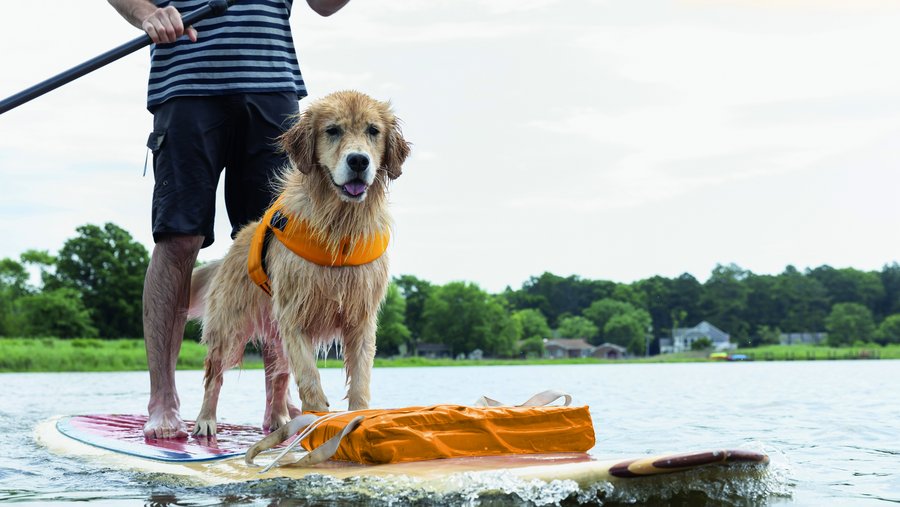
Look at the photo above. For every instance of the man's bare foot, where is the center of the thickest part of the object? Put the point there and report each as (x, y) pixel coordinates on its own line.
(164, 423)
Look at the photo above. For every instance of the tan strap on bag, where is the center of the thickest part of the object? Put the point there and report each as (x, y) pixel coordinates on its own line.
(541, 399)
(308, 423)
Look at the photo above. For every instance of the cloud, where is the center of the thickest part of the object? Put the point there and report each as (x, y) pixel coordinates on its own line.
(372, 33)
(805, 6)
(728, 66)
(678, 149)
(469, 6)
(729, 105)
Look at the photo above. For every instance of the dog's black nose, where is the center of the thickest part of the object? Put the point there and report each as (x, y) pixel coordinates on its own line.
(358, 162)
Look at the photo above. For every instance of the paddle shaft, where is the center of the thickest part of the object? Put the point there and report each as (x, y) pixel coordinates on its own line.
(212, 8)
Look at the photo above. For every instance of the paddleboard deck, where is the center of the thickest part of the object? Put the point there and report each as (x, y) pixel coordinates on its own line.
(118, 440)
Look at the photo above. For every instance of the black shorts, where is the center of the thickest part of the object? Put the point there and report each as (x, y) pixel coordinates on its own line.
(194, 138)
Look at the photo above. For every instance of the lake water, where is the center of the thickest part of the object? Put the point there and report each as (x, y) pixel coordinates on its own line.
(831, 428)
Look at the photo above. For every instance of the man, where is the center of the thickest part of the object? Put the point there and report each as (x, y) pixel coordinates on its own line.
(219, 97)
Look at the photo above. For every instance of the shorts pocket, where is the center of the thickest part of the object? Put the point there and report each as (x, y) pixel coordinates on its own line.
(162, 174)
(155, 141)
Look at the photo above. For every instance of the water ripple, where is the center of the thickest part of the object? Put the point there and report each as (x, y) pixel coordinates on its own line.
(835, 449)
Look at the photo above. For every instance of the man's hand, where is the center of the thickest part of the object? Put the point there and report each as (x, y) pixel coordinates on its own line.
(326, 7)
(164, 25)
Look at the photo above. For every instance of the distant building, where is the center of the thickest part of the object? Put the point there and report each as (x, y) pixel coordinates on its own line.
(609, 351)
(802, 338)
(565, 347)
(684, 337)
(433, 350)
(665, 346)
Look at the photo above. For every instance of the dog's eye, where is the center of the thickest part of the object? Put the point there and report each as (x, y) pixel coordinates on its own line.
(373, 130)
(333, 131)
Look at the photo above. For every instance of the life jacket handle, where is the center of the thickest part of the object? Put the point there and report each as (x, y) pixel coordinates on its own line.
(540, 399)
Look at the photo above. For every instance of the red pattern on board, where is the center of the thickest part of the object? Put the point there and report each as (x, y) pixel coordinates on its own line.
(129, 428)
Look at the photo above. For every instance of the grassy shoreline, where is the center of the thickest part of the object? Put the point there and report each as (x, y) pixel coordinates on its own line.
(21, 355)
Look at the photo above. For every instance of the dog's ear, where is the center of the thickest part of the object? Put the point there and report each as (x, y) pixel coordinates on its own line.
(299, 142)
(396, 150)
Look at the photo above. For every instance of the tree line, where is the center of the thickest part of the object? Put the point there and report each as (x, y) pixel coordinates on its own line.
(92, 288)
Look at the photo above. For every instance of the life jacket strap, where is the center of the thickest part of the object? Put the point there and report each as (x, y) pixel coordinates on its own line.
(299, 238)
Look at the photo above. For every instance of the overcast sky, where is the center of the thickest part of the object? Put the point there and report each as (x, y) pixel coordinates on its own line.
(609, 139)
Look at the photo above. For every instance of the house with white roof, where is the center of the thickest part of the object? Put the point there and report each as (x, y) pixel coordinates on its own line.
(684, 337)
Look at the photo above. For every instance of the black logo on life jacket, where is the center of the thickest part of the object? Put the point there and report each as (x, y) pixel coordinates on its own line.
(279, 221)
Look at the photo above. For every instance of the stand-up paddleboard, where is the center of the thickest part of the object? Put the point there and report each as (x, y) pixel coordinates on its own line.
(118, 441)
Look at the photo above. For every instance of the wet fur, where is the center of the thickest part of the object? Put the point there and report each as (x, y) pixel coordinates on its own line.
(312, 306)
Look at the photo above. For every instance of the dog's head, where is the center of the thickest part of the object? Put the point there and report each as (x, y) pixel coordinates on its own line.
(352, 138)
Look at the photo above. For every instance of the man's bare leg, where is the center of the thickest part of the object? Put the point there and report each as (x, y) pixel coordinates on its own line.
(167, 287)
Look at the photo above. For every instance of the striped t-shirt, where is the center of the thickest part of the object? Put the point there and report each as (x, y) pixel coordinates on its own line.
(247, 49)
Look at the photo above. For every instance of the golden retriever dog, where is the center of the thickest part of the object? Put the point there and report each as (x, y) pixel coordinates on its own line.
(343, 151)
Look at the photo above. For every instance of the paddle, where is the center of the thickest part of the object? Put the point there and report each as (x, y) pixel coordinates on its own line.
(213, 8)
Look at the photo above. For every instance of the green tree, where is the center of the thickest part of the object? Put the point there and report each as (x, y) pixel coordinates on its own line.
(890, 280)
(702, 343)
(848, 323)
(392, 331)
(600, 312)
(766, 335)
(630, 295)
(685, 299)
(850, 285)
(628, 330)
(506, 331)
(679, 317)
(802, 301)
(42, 260)
(577, 327)
(13, 286)
(657, 293)
(464, 317)
(415, 292)
(889, 330)
(107, 267)
(556, 296)
(58, 313)
(532, 347)
(724, 301)
(762, 303)
(13, 278)
(534, 324)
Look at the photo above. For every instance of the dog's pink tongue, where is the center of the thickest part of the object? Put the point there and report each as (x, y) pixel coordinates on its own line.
(355, 188)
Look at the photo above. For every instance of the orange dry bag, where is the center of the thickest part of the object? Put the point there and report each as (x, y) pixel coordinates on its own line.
(441, 431)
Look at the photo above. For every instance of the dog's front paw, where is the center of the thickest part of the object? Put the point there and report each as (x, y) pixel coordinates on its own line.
(274, 422)
(204, 428)
(316, 406)
(358, 405)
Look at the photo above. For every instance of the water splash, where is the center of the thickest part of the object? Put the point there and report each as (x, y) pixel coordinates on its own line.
(743, 485)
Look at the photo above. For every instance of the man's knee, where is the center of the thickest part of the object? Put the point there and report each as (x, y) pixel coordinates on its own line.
(177, 247)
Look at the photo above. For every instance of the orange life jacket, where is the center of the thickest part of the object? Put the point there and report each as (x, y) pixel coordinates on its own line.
(299, 238)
